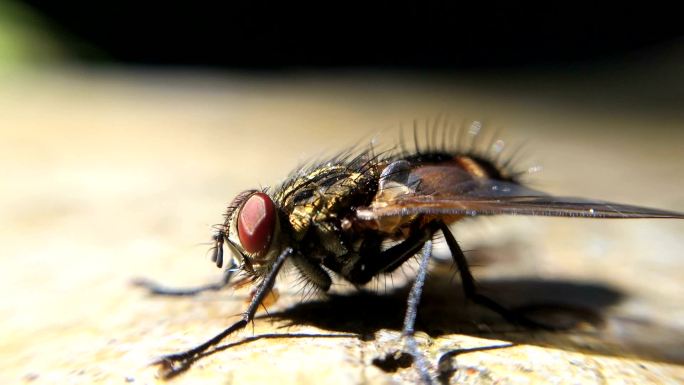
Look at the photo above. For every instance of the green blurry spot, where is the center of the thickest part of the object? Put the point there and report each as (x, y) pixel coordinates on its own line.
(25, 38)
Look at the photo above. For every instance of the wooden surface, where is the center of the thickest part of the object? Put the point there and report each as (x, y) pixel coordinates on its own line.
(111, 176)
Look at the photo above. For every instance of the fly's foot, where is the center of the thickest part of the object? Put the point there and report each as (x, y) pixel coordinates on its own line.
(171, 365)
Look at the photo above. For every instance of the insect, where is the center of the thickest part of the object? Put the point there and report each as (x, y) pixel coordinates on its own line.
(363, 214)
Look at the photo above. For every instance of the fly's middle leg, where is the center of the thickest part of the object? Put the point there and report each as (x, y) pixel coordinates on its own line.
(470, 289)
(412, 311)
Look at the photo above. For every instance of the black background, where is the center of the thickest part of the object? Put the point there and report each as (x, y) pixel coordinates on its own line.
(446, 35)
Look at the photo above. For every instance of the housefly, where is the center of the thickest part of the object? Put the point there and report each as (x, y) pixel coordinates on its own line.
(363, 214)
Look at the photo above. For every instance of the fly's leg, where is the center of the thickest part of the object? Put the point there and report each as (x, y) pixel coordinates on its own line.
(186, 358)
(312, 273)
(373, 261)
(412, 311)
(470, 289)
(157, 289)
(386, 262)
(217, 257)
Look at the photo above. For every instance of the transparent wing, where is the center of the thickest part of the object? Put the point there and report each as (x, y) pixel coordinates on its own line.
(448, 190)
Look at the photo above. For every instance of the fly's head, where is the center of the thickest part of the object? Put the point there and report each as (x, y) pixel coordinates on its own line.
(251, 231)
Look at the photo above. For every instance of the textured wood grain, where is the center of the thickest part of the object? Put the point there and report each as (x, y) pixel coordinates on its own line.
(112, 176)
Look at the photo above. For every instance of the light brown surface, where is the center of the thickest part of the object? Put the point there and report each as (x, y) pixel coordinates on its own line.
(111, 176)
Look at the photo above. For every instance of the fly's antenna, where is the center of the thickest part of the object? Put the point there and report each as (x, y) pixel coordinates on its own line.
(217, 249)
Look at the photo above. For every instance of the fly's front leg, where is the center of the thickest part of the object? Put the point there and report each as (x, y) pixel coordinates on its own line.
(157, 289)
(174, 363)
(217, 256)
(470, 289)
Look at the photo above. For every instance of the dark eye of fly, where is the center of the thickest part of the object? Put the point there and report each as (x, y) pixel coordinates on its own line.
(256, 222)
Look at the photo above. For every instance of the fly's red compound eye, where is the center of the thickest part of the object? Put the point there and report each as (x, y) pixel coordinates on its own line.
(256, 223)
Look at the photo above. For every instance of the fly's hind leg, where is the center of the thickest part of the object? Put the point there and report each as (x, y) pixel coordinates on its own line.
(386, 262)
(470, 289)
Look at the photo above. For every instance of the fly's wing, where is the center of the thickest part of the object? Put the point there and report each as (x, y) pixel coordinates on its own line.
(449, 190)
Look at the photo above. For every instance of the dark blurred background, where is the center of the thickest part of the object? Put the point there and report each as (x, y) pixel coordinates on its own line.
(415, 35)
(622, 57)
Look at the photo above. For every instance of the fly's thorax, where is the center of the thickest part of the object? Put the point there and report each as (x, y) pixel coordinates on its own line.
(319, 204)
(300, 219)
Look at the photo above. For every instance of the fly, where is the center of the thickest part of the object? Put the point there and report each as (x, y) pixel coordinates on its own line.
(360, 215)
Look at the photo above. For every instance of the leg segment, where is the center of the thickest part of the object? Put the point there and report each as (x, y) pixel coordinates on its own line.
(372, 262)
(412, 311)
(157, 289)
(470, 289)
(216, 256)
(313, 273)
(185, 358)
